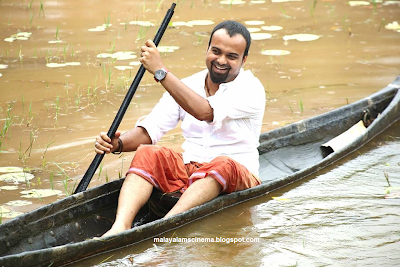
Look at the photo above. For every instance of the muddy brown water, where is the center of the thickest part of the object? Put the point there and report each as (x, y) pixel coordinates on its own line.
(60, 110)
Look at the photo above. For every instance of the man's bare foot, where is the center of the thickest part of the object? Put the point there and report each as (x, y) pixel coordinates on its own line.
(115, 230)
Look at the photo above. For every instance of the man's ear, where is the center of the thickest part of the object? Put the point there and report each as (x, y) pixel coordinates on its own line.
(244, 60)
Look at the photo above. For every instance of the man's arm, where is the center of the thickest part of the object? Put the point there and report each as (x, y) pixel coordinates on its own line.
(190, 101)
(131, 140)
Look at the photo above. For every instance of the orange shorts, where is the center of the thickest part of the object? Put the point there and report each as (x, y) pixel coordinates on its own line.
(165, 170)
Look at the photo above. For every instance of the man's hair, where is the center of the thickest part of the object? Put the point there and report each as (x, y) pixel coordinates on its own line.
(233, 28)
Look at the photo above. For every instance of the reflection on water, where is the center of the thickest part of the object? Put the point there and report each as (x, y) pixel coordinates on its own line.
(338, 217)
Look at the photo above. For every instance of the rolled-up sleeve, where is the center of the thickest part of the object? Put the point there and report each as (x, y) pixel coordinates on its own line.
(163, 117)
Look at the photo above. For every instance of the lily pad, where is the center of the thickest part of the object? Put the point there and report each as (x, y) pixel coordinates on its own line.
(3, 66)
(271, 28)
(10, 169)
(16, 177)
(200, 22)
(121, 55)
(141, 23)
(283, 1)
(55, 42)
(123, 67)
(386, 3)
(253, 29)
(4, 210)
(302, 37)
(275, 52)
(260, 36)
(55, 65)
(9, 187)
(167, 49)
(134, 63)
(72, 63)
(180, 23)
(393, 26)
(12, 214)
(100, 28)
(254, 22)
(40, 193)
(358, 3)
(18, 203)
(19, 36)
(232, 2)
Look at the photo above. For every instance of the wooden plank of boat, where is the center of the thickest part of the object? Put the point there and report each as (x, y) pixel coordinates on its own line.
(62, 232)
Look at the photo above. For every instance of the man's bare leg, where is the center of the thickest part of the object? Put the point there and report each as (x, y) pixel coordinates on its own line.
(135, 192)
(199, 192)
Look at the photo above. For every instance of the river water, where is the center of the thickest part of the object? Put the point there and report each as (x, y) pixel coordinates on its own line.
(50, 115)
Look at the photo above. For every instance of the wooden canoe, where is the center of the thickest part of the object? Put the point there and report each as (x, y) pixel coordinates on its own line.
(62, 232)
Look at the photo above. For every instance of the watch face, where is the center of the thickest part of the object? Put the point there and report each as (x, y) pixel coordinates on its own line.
(160, 74)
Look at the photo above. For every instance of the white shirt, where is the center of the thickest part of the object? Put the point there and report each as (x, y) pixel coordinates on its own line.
(238, 113)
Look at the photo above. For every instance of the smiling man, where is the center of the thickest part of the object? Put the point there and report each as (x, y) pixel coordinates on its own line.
(221, 110)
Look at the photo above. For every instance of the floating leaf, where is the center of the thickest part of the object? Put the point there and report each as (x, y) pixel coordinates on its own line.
(260, 36)
(40, 193)
(253, 29)
(167, 49)
(358, 3)
(134, 63)
(391, 3)
(282, 1)
(100, 28)
(72, 63)
(200, 23)
(302, 37)
(254, 22)
(3, 66)
(180, 23)
(9, 187)
(141, 23)
(16, 177)
(10, 169)
(55, 42)
(18, 203)
(19, 36)
(97, 29)
(271, 28)
(55, 65)
(12, 214)
(122, 55)
(275, 52)
(123, 67)
(393, 26)
(4, 210)
(232, 2)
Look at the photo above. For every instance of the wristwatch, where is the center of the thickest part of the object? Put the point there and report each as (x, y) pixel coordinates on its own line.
(159, 75)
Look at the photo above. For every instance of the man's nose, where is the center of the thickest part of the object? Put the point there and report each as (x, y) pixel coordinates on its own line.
(222, 60)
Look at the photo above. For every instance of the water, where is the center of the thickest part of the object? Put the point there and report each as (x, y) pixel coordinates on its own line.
(57, 112)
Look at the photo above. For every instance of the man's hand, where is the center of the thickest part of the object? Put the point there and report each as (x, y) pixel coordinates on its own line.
(104, 144)
(150, 57)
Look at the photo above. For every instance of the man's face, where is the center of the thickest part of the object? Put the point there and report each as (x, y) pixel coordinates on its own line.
(224, 57)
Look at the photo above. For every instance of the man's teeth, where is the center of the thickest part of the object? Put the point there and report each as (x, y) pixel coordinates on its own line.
(220, 68)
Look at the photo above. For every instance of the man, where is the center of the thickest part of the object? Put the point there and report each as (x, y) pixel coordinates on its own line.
(221, 109)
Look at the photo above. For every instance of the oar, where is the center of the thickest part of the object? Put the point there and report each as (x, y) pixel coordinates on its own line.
(121, 112)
